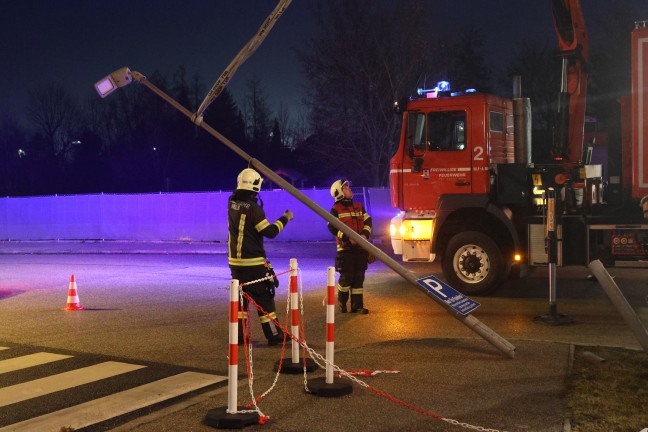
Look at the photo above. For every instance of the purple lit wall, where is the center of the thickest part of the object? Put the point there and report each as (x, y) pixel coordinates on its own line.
(168, 216)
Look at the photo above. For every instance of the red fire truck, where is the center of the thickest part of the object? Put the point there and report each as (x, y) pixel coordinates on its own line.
(468, 193)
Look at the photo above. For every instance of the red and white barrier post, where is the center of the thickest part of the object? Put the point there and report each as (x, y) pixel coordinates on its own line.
(326, 387)
(228, 417)
(294, 310)
(295, 366)
(330, 323)
(232, 376)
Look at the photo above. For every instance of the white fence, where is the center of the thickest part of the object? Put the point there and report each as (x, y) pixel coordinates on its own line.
(168, 216)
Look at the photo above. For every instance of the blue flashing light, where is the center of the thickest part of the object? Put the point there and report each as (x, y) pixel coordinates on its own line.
(471, 90)
(442, 86)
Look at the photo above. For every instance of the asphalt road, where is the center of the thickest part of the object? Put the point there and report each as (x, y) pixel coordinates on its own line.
(168, 303)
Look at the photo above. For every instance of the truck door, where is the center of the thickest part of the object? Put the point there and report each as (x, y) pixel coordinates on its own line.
(443, 165)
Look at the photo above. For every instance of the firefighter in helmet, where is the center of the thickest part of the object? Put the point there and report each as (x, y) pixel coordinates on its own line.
(247, 225)
(351, 259)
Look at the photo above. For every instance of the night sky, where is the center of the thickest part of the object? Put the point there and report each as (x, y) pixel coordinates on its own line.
(77, 42)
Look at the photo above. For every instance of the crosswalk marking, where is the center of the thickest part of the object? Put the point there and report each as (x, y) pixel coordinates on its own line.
(39, 387)
(28, 361)
(105, 408)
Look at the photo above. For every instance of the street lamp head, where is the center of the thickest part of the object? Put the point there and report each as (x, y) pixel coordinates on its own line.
(112, 82)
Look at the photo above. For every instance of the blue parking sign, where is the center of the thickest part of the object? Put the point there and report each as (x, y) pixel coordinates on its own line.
(453, 298)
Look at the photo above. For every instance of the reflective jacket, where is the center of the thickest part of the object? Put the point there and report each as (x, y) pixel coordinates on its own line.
(247, 225)
(352, 214)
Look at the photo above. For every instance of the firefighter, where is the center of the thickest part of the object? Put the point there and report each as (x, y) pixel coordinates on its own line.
(247, 225)
(351, 259)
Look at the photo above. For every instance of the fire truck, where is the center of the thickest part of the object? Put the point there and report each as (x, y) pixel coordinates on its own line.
(469, 194)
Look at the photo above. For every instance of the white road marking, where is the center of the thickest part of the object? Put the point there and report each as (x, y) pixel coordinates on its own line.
(102, 409)
(39, 387)
(27, 361)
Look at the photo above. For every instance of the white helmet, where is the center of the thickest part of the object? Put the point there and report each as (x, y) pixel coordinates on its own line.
(336, 189)
(249, 179)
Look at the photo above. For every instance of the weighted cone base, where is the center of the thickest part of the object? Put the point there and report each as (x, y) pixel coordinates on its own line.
(319, 387)
(554, 319)
(296, 368)
(219, 418)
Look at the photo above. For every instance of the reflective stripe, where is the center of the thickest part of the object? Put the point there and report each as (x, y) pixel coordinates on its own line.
(350, 214)
(246, 262)
(340, 234)
(343, 288)
(266, 319)
(356, 290)
(279, 225)
(262, 225)
(241, 236)
(242, 315)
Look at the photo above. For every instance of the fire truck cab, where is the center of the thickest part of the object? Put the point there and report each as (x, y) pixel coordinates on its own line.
(441, 177)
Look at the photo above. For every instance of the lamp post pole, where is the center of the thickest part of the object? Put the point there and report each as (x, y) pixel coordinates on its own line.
(470, 321)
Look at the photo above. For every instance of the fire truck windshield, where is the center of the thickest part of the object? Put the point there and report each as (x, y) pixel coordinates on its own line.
(436, 131)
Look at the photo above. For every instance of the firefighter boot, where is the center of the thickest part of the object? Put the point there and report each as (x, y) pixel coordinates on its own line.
(342, 301)
(357, 304)
(274, 335)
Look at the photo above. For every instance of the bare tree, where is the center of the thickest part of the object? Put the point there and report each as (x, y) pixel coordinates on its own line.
(467, 66)
(285, 126)
(57, 118)
(257, 118)
(367, 55)
(13, 148)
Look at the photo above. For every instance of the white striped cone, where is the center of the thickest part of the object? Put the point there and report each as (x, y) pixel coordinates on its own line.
(73, 297)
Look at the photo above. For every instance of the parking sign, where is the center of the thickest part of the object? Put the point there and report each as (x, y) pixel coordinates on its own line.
(453, 298)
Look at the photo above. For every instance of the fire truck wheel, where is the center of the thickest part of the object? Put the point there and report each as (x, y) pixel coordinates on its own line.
(473, 263)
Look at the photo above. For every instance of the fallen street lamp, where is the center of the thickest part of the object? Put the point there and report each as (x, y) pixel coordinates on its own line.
(112, 82)
(124, 77)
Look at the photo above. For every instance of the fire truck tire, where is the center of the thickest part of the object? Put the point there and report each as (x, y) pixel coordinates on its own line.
(473, 263)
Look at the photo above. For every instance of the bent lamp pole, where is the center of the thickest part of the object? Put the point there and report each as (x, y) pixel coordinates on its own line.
(124, 76)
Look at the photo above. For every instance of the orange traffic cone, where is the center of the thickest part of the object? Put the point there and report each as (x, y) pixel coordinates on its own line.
(73, 297)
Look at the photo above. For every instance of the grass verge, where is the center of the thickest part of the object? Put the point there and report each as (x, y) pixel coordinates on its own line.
(608, 390)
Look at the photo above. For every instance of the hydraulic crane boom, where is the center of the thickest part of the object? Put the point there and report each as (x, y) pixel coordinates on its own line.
(574, 50)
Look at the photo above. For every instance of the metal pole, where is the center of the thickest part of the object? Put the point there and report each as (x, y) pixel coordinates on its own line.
(619, 301)
(552, 250)
(552, 260)
(470, 321)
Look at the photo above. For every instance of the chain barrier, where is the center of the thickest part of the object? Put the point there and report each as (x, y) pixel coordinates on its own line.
(303, 328)
(322, 362)
(247, 342)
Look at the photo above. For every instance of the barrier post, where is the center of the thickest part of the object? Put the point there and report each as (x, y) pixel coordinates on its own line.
(232, 373)
(294, 309)
(295, 366)
(327, 387)
(228, 417)
(330, 324)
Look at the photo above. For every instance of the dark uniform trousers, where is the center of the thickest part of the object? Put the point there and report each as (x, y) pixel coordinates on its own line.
(351, 264)
(262, 293)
